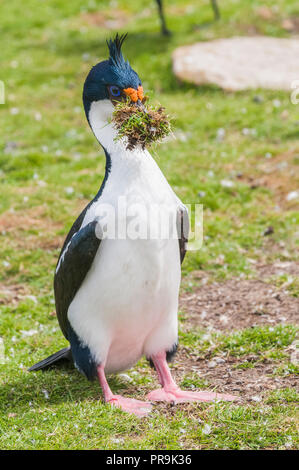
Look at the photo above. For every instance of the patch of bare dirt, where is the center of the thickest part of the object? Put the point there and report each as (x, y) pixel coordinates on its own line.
(264, 12)
(114, 19)
(48, 241)
(34, 218)
(279, 174)
(291, 24)
(237, 304)
(250, 384)
(12, 294)
(290, 268)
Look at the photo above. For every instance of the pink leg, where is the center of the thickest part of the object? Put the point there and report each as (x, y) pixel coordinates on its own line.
(137, 407)
(172, 393)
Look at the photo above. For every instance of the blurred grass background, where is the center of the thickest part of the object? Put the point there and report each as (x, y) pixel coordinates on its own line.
(51, 166)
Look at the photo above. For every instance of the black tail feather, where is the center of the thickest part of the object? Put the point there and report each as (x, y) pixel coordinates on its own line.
(59, 356)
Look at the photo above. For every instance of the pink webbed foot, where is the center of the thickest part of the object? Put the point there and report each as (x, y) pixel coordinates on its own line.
(170, 392)
(180, 396)
(130, 405)
(136, 407)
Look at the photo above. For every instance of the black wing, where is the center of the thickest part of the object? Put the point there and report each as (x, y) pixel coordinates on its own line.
(74, 263)
(57, 358)
(183, 230)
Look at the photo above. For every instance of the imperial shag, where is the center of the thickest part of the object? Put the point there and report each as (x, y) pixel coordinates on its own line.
(117, 299)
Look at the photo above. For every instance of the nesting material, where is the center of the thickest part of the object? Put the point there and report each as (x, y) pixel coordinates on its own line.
(141, 126)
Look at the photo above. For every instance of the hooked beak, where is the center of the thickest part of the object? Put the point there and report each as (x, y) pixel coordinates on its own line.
(140, 105)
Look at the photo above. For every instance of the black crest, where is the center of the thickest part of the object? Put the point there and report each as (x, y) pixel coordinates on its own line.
(116, 58)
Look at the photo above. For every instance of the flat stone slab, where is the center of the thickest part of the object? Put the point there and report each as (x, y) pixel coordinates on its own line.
(240, 63)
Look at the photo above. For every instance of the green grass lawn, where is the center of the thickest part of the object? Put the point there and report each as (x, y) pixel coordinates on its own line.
(51, 165)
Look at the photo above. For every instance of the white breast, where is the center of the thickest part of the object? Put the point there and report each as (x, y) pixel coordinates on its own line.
(127, 304)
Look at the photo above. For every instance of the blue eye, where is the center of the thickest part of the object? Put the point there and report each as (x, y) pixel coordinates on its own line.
(114, 90)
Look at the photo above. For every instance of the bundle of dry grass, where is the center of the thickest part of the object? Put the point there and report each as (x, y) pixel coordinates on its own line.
(141, 126)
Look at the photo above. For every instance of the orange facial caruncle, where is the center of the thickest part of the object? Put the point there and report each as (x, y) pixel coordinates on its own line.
(135, 95)
(140, 93)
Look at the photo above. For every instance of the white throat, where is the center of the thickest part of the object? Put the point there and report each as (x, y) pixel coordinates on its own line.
(100, 114)
(123, 161)
(127, 166)
(133, 174)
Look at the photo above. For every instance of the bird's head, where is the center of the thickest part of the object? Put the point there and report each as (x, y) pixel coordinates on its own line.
(109, 82)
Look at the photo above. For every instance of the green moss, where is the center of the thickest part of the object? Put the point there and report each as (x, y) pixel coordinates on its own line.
(141, 127)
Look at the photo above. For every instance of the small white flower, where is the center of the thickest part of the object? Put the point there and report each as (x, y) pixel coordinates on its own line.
(125, 377)
(292, 195)
(32, 297)
(223, 319)
(28, 332)
(116, 440)
(227, 183)
(220, 134)
(212, 364)
(256, 398)
(69, 190)
(206, 429)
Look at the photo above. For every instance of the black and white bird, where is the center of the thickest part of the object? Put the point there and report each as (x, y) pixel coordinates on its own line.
(117, 297)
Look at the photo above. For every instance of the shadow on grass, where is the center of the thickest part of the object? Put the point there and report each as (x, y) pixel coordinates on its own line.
(53, 386)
